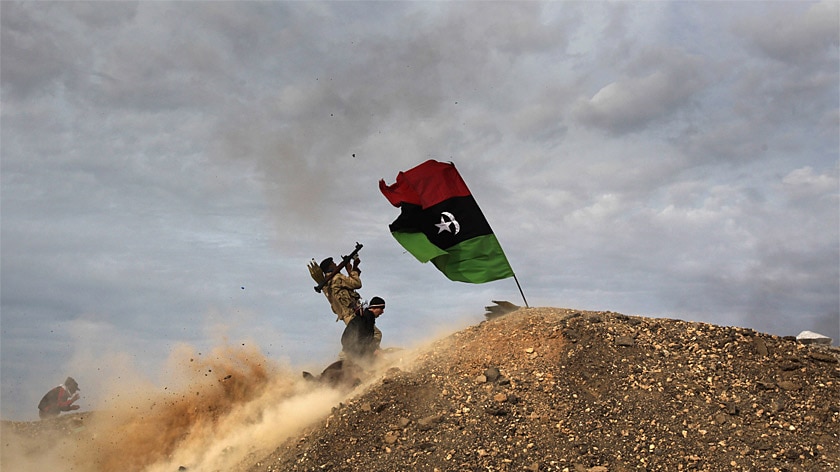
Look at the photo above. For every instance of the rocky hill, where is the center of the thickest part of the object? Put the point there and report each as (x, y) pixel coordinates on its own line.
(564, 390)
(539, 389)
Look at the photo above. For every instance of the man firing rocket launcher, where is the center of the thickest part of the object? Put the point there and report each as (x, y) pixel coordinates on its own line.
(339, 289)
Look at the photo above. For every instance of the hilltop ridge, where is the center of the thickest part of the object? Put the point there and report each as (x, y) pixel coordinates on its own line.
(547, 389)
(538, 389)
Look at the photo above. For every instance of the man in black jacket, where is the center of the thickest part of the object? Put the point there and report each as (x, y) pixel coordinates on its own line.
(359, 339)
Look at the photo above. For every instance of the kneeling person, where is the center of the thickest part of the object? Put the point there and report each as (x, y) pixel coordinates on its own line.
(59, 399)
(360, 339)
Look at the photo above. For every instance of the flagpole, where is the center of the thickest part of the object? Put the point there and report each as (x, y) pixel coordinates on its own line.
(520, 291)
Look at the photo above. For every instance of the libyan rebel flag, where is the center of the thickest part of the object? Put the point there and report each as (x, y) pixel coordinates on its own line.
(441, 222)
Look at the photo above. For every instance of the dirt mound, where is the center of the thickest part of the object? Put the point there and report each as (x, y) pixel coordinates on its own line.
(49, 430)
(538, 389)
(555, 389)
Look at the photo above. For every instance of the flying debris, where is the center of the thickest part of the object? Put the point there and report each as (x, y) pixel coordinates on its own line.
(500, 308)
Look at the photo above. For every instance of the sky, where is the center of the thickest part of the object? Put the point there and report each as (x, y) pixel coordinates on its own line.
(169, 169)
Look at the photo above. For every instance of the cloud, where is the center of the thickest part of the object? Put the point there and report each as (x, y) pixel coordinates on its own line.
(666, 159)
(805, 182)
(633, 102)
(795, 33)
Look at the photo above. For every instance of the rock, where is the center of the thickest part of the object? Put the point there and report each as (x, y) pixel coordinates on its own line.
(791, 364)
(788, 385)
(810, 337)
(760, 347)
(496, 411)
(823, 357)
(429, 422)
(427, 446)
(732, 409)
(765, 385)
(624, 341)
(492, 374)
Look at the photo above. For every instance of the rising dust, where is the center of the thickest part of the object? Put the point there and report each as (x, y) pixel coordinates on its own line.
(222, 412)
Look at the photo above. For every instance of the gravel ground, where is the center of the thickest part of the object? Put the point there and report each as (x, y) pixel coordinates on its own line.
(545, 389)
(539, 389)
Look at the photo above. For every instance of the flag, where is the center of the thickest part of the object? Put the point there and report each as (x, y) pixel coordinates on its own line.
(441, 222)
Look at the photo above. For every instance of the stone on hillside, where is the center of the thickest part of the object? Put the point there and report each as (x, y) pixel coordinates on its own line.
(624, 341)
(492, 374)
(810, 337)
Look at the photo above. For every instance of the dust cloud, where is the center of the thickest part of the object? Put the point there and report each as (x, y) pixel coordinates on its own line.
(223, 410)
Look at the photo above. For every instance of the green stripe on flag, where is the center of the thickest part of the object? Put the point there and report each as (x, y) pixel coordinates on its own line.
(477, 260)
(418, 245)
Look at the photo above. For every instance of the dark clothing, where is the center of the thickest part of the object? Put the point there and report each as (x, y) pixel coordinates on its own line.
(55, 401)
(358, 339)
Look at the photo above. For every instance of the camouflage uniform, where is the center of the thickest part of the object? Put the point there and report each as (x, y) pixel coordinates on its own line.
(341, 292)
(345, 300)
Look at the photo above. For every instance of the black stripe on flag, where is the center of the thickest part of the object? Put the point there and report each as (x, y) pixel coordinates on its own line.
(446, 224)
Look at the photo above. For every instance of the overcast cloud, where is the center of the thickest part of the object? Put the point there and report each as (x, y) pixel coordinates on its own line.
(168, 169)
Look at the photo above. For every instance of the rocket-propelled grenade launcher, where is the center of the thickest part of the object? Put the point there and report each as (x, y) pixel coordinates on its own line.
(344, 261)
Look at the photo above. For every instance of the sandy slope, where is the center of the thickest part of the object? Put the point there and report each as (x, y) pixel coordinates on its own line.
(539, 389)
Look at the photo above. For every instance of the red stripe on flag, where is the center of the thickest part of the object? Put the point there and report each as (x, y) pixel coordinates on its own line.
(426, 185)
